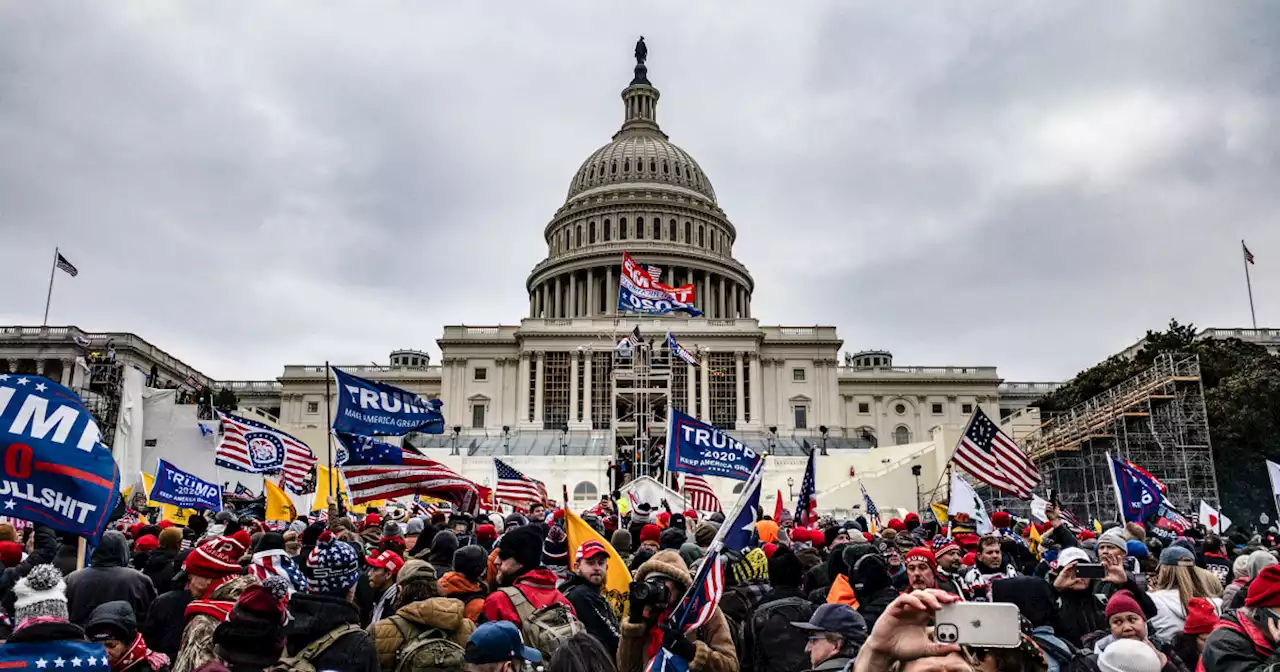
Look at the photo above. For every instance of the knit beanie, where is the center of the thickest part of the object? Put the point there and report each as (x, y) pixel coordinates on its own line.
(922, 553)
(785, 569)
(471, 562)
(650, 532)
(171, 538)
(555, 549)
(1114, 537)
(621, 541)
(216, 558)
(671, 538)
(253, 634)
(1201, 617)
(524, 544)
(335, 566)
(1129, 655)
(943, 545)
(1123, 602)
(40, 593)
(1001, 519)
(1136, 549)
(391, 529)
(704, 533)
(767, 530)
(752, 567)
(1264, 590)
(10, 553)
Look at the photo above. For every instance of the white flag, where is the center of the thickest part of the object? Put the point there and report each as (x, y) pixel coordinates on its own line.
(1212, 519)
(965, 500)
(1273, 472)
(1039, 508)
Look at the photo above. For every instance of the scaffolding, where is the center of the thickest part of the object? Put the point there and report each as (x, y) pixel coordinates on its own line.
(641, 393)
(1157, 420)
(101, 395)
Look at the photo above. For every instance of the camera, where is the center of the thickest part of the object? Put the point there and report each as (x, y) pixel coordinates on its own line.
(652, 591)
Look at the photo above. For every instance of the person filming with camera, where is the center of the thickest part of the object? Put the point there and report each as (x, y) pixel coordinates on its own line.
(656, 589)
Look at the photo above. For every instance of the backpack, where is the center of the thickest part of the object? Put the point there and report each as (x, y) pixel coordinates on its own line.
(304, 661)
(425, 650)
(544, 629)
(777, 646)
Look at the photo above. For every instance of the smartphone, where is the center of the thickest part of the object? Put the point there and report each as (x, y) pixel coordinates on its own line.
(1053, 496)
(986, 624)
(1090, 570)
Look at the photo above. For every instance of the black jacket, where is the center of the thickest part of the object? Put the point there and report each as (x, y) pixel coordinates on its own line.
(160, 569)
(313, 617)
(1081, 612)
(593, 610)
(108, 577)
(872, 607)
(165, 621)
(1227, 650)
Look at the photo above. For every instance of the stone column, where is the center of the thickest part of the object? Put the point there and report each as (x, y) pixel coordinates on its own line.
(757, 385)
(588, 371)
(557, 303)
(68, 367)
(610, 299)
(705, 414)
(691, 386)
(780, 397)
(573, 295)
(522, 389)
(537, 390)
(739, 417)
(591, 293)
(39, 366)
(573, 388)
(532, 294)
(721, 307)
(500, 408)
(706, 294)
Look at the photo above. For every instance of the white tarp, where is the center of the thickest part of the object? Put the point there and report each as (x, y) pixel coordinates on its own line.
(128, 439)
(171, 431)
(649, 490)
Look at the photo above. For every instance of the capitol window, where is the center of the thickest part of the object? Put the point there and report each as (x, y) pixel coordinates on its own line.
(639, 228)
(584, 491)
(966, 408)
(665, 167)
(864, 408)
(900, 409)
(688, 232)
(671, 230)
(657, 229)
(937, 409)
(702, 236)
(797, 375)
(481, 374)
(622, 228)
(613, 168)
(608, 231)
(579, 239)
(591, 232)
(802, 417)
(626, 165)
(313, 407)
(901, 436)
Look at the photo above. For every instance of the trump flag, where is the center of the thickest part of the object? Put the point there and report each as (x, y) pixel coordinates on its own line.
(56, 472)
(371, 408)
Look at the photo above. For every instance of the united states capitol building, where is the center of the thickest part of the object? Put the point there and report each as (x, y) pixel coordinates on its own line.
(553, 394)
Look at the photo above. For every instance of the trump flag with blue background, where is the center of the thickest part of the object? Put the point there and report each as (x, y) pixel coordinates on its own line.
(54, 655)
(1138, 494)
(56, 471)
(694, 447)
(358, 450)
(370, 408)
(178, 488)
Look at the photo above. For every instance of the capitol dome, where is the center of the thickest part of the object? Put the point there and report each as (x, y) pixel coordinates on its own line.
(643, 195)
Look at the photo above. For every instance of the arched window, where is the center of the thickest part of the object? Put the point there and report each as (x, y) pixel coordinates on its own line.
(585, 491)
(671, 230)
(593, 173)
(665, 167)
(626, 165)
(608, 231)
(677, 170)
(639, 228)
(901, 436)
(713, 240)
(702, 236)
(622, 228)
(653, 166)
(591, 232)
(688, 232)
(613, 168)
(657, 229)
(579, 241)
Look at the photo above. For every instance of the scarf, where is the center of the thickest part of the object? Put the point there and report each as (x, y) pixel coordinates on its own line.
(218, 610)
(655, 637)
(138, 651)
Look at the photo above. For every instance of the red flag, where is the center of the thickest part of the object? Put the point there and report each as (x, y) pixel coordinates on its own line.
(777, 509)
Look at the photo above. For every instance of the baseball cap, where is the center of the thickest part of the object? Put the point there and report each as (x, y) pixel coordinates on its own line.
(496, 642)
(388, 560)
(590, 549)
(840, 619)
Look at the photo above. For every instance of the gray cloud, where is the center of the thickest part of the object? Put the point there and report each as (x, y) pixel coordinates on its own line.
(250, 185)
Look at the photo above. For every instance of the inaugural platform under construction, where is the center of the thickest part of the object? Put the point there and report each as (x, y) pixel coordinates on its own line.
(1156, 419)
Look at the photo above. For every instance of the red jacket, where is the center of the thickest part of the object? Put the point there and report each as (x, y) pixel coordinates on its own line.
(538, 586)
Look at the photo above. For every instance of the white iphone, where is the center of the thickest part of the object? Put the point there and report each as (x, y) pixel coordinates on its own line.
(986, 624)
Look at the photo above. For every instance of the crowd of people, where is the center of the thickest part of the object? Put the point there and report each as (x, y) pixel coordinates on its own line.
(389, 591)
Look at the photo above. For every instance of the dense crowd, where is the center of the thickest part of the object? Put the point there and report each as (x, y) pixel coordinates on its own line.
(391, 591)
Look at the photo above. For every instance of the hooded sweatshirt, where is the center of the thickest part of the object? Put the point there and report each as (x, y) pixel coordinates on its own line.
(108, 577)
(117, 617)
(471, 593)
(443, 547)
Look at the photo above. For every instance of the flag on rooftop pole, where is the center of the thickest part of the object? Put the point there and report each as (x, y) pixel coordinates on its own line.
(1248, 283)
(59, 261)
(993, 457)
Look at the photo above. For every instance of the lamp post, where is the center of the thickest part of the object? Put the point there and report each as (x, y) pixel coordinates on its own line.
(790, 482)
(506, 439)
(915, 471)
(773, 439)
(823, 430)
(457, 429)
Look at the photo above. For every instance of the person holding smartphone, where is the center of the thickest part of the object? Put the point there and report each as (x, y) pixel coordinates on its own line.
(1081, 611)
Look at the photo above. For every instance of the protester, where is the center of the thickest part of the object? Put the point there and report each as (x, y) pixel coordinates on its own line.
(1201, 620)
(443, 546)
(270, 558)
(583, 590)
(108, 578)
(465, 583)
(922, 569)
(116, 627)
(1175, 584)
(382, 578)
(708, 648)
(582, 653)
(498, 647)
(420, 612)
(1247, 638)
(521, 574)
(769, 643)
(1080, 612)
(40, 609)
(253, 636)
(215, 580)
(327, 616)
(838, 632)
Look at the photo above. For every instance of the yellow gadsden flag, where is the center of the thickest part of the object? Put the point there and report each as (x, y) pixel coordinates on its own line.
(939, 512)
(617, 580)
(279, 505)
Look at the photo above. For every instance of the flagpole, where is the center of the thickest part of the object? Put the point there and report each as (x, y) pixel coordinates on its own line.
(49, 297)
(1248, 283)
(1115, 485)
(328, 430)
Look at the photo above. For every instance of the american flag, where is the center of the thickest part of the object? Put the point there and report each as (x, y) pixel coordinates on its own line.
(414, 475)
(66, 266)
(704, 595)
(242, 438)
(873, 514)
(1248, 256)
(654, 272)
(515, 488)
(994, 458)
(699, 495)
(807, 504)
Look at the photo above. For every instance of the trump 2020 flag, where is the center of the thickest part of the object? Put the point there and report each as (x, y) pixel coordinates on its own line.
(358, 450)
(370, 408)
(680, 351)
(1137, 494)
(694, 447)
(55, 470)
(638, 292)
(177, 487)
(54, 655)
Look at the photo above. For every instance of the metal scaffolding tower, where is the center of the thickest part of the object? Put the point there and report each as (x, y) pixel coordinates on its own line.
(1156, 419)
(641, 394)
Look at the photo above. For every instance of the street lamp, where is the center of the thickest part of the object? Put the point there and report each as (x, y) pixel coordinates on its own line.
(457, 429)
(564, 434)
(506, 439)
(790, 482)
(915, 471)
(823, 430)
(773, 439)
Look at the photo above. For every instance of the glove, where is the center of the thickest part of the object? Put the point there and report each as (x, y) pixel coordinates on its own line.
(674, 641)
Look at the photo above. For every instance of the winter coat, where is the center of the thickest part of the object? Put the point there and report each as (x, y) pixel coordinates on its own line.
(539, 588)
(1173, 663)
(769, 642)
(120, 615)
(1170, 614)
(443, 547)
(160, 569)
(713, 643)
(833, 665)
(472, 594)
(108, 577)
(196, 648)
(166, 621)
(68, 555)
(593, 610)
(1229, 650)
(1081, 612)
(443, 613)
(872, 606)
(314, 616)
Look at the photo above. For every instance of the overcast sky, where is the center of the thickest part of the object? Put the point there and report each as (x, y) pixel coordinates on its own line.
(1026, 185)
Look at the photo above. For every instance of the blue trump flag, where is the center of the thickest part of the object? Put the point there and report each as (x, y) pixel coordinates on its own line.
(694, 447)
(56, 472)
(1136, 493)
(370, 408)
(364, 450)
(177, 487)
(54, 655)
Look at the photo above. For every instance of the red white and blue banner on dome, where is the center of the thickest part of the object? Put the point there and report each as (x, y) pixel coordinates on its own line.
(372, 408)
(638, 292)
(56, 472)
(177, 487)
(694, 447)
